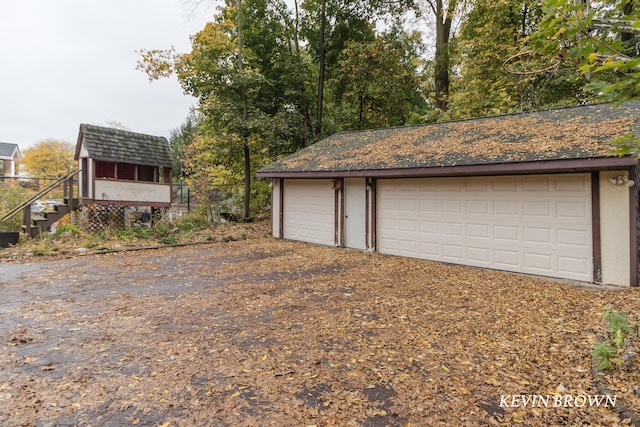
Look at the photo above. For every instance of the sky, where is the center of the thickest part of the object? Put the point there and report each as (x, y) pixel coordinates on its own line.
(67, 62)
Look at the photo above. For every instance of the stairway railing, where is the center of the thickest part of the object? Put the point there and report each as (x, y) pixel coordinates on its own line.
(61, 181)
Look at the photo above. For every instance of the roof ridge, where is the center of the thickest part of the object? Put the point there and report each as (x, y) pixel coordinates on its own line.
(117, 130)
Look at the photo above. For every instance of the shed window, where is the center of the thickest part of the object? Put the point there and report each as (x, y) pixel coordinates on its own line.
(147, 173)
(105, 169)
(127, 171)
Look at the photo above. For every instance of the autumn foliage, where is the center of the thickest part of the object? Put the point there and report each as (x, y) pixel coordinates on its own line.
(49, 158)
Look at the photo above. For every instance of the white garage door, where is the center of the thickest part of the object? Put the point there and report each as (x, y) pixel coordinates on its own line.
(529, 224)
(309, 211)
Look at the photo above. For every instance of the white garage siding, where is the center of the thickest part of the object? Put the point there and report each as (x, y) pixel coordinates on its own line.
(309, 213)
(275, 208)
(530, 224)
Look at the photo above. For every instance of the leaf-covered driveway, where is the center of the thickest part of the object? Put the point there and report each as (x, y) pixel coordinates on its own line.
(267, 332)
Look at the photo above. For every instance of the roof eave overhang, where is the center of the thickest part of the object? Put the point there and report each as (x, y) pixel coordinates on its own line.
(517, 168)
(162, 164)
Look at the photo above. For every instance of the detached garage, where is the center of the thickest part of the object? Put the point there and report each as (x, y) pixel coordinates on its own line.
(537, 193)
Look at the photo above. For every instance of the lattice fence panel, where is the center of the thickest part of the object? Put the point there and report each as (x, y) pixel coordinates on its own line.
(98, 218)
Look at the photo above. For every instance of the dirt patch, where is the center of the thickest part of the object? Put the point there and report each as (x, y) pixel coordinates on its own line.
(267, 332)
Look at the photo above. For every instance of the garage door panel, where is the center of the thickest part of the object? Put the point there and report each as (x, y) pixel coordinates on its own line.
(538, 262)
(480, 207)
(479, 255)
(505, 208)
(537, 209)
(573, 265)
(428, 205)
(478, 231)
(309, 214)
(450, 185)
(407, 246)
(570, 186)
(537, 235)
(407, 225)
(477, 185)
(452, 229)
(572, 210)
(579, 238)
(506, 232)
(536, 184)
(429, 249)
(531, 224)
(452, 206)
(429, 227)
(506, 259)
(504, 185)
(452, 252)
(407, 204)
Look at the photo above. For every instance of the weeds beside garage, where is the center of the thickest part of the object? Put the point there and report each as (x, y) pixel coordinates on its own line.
(69, 240)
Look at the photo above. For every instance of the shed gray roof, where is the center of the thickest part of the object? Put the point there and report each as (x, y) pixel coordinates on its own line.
(582, 132)
(7, 150)
(116, 145)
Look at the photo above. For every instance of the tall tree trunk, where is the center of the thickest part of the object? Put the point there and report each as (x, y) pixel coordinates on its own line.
(304, 107)
(323, 17)
(627, 36)
(243, 95)
(443, 33)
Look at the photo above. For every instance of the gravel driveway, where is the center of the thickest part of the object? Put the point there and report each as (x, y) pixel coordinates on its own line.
(266, 332)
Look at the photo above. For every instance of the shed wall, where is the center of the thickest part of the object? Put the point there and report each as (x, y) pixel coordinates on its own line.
(132, 191)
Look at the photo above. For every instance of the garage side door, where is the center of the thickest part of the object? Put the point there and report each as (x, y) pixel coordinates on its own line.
(309, 211)
(528, 224)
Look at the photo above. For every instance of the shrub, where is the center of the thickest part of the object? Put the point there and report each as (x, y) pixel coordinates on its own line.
(67, 229)
(620, 333)
(11, 195)
(194, 221)
(259, 205)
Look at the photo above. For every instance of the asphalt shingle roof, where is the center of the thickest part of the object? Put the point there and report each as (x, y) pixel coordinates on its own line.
(115, 145)
(7, 149)
(564, 133)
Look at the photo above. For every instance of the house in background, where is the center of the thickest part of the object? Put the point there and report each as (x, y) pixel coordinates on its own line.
(9, 157)
(537, 193)
(122, 168)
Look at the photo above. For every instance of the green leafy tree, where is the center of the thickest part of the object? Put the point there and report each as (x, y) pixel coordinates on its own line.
(492, 33)
(599, 40)
(328, 25)
(259, 89)
(601, 43)
(380, 83)
(442, 14)
(181, 138)
(240, 80)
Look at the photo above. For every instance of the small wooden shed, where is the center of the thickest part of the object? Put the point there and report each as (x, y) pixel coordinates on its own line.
(123, 168)
(9, 156)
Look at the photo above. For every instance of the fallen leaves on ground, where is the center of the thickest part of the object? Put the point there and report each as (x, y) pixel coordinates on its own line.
(267, 332)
